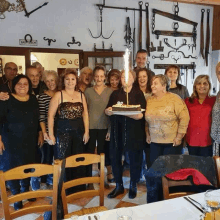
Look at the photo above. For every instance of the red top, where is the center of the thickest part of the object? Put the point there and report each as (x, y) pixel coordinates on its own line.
(183, 174)
(199, 128)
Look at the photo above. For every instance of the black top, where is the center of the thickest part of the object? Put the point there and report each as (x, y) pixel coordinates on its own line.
(131, 131)
(20, 130)
(181, 91)
(4, 85)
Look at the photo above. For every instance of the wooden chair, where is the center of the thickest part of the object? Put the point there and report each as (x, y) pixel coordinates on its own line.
(22, 173)
(83, 160)
(167, 183)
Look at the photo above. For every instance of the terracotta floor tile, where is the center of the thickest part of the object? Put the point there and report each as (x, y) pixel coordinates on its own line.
(126, 173)
(142, 187)
(11, 209)
(125, 204)
(81, 202)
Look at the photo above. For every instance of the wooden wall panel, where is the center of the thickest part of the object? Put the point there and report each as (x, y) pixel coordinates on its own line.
(216, 28)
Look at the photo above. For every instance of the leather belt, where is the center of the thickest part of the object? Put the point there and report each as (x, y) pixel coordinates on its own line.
(147, 30)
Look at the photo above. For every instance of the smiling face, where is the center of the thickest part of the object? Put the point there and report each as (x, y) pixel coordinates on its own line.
(70, 81)
(114, 81)
(86, 77)
(50, 82)
(99, 77)
(142, 78)
(130, 80)
(157, 87)
(141, 59)
(172, 74)
(22, 87)
(202, 87)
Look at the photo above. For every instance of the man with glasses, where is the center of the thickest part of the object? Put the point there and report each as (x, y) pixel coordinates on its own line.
(10, 70)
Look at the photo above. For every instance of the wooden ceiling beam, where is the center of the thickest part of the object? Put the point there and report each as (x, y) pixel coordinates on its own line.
(198, 2)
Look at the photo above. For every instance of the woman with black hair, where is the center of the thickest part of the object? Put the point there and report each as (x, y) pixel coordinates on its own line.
(173, 73)
(19, 124)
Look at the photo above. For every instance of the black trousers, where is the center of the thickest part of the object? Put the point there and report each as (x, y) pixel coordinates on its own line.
(99, 136)
(135, 157)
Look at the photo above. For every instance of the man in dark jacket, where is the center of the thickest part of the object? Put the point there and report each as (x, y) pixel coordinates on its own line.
(10, 71)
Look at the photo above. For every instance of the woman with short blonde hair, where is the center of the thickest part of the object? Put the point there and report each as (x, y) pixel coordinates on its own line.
(167, 119)
(200, 105)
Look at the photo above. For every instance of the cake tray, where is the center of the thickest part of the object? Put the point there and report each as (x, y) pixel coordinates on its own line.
(127, 112)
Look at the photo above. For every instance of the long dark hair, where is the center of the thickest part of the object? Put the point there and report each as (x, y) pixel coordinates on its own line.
(149, 77)
(178, 78)
(66, 72)
(17, 79)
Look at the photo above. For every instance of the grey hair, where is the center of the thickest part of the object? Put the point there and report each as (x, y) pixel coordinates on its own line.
(46, 73)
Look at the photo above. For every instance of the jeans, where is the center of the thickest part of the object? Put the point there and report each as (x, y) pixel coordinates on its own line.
(158, 149)
(201, 151)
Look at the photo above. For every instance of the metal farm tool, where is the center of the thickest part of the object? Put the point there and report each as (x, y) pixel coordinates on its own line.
(101, 21)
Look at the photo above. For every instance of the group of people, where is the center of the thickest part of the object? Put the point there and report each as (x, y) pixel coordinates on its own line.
(44, 117)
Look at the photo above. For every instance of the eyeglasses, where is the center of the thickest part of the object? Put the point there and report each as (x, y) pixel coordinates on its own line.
(9, 68)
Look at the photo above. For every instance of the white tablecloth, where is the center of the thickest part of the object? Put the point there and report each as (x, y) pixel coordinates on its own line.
(172, 209)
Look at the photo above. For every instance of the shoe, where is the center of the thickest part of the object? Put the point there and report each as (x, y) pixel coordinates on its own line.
(32, 200)
(132, 190)
(110, 180)
(119, 189)
(18, 205)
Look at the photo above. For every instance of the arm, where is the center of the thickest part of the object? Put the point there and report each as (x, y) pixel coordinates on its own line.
(183, 117)
(51, 114)
(85, 116)
(3, 113)
(43, 116)
(4, 96)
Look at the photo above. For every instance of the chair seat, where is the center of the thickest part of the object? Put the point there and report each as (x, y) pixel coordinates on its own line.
(86, 211)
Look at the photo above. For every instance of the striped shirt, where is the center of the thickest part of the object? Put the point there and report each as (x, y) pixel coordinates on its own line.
(44, 102)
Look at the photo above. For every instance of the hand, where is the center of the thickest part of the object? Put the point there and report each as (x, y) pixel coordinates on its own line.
(148, 139)
(40, 139)
(86, 138)
(177, 142)
(4, 96)
(108, 111)
(2, 147)
(107, 137)
(46, 137)
(52, 140)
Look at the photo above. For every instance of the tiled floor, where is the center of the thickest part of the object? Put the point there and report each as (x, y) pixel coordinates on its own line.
(118, 202)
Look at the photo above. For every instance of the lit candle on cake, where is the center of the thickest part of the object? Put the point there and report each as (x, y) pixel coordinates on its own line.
(126, 63)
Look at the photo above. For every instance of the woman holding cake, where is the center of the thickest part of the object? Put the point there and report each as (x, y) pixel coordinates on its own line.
(127, 134)
(167, 119)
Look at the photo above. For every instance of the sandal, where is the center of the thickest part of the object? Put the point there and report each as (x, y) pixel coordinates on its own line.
(111, 180)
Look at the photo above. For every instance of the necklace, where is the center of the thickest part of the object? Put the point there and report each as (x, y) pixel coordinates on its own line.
(70, 95)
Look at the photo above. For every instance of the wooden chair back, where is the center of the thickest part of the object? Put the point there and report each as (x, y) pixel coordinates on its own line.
(217, 167)
(84, 160)
(27, 171)
(167, 183)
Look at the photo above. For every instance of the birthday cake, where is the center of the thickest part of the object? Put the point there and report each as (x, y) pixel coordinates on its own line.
(126, 108)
